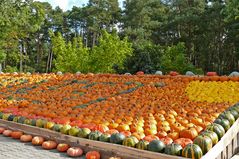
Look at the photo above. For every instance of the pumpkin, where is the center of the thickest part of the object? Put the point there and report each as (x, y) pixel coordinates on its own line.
(94, 135)
(5, 116)
(167, 140)
(142, 145)
(204, 142)
(40, 123)
(156, 146)
(7, 133)
(1, 115)
(192, 151)
(49, 125)
(84, 132)
(224, 123)
(227, 115)
(65, 129)
(57, 127)
(173, 149)
(150, 138)
(15, 119)
(211, 74)
(16, 134)
(26, 138)
(92, 155)
(37, 140)
(49, 145)
(104, 138)
(33, 122)
(74, 152)
(183, 141)
(212, 135)
(21, 119)
(130, 141)
(27, 122)
(117, 138)
(234, 113)
(62, 147)
(2, 130)
(218, 129)
(74, 131)
(190, 133)
(11, 117)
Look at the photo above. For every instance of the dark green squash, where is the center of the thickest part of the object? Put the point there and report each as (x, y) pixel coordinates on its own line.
(227, 115)
(212, 135)
(142, 145)
(117, 138)
(224, 123)
(204, 142)
(1, 115)
(21, 119)
(105, 138)
(156, 146)
(173, 149)
(33, 122)
(218, 129)
(192, 151)
(235, 114)
(94, 135)
(10, 117)
(57, 127)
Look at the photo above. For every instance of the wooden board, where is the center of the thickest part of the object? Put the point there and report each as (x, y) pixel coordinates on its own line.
(106, 149)
(225, 148)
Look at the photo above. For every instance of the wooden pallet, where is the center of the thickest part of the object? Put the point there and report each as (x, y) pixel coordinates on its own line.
(225, 149)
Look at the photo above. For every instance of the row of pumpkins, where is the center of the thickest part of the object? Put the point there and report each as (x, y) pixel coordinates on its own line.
(182, 147)
(49, 144)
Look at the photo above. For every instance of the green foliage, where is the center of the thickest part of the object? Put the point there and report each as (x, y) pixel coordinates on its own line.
(10, 69)
(111, 51)
(173, 59)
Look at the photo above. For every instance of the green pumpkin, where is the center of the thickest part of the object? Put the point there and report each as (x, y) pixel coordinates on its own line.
(33, 122)
(192, 151)
(224, 123)
(10, 117)
(105, 138)
(227, 115)
(130, 142)
(117, 138)
(57, 127)
(156, 146)
(84, 133)
(234, 108)
(204, 142)
(15, 119)
(65, 129)
(27, 122)
(212, 135)
(40, 123)
(94, 135)
(173, 149)
(1, 115)
(142, 145)
(235, 114)
(74, 131)
(218, 129)
(21, 119)
(5, 116)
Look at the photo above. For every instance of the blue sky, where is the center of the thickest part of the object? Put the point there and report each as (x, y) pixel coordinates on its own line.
(68, 4)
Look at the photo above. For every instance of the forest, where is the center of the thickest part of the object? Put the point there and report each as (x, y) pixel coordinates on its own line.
(102, 37)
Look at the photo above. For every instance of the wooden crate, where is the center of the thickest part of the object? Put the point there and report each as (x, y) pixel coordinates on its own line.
(225, 149)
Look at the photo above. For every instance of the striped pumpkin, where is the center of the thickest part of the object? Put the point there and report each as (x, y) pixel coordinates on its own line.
(173, 149)
(224, 123)
(129, 141)
(204, 142)
(142, 145)
(212, 135)
(218, 129)
(192, 151)
(227, 115)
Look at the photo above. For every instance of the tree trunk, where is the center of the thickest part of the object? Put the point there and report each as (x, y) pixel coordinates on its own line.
(21, 53)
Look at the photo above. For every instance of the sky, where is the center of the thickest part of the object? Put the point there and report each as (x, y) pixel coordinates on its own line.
(68, 4)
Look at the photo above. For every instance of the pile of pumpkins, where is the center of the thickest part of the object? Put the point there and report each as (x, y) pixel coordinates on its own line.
(49, 144)
(200, 145)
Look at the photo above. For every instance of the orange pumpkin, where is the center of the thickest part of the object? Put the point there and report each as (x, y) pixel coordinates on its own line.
(1, 130)
(16, 134)
(62, 147)
(183, 142)
(48, 145)
(26, 138)
(190, 133)
(92, 155)
(7, 133)
(37, 140)
(74, 152)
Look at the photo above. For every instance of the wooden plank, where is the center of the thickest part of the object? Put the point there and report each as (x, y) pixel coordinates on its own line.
(106, 149)
(224, 142)
(230, 150)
